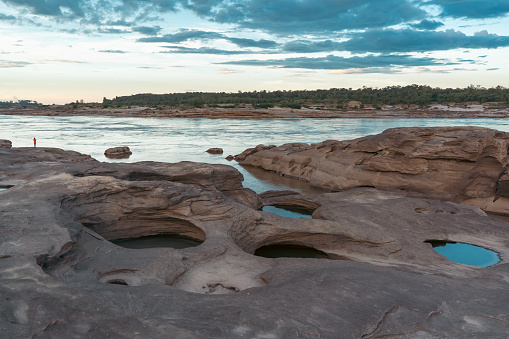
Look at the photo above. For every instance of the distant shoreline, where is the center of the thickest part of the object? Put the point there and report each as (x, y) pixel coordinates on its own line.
(436, 112)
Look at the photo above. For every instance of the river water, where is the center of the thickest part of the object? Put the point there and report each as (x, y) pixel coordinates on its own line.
(179, 139)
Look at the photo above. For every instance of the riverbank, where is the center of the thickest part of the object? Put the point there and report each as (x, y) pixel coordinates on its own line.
(432, 112)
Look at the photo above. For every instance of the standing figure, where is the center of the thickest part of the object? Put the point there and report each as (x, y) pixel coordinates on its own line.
(35, 142)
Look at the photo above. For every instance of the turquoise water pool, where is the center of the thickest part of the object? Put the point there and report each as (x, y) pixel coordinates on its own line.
(466, 254)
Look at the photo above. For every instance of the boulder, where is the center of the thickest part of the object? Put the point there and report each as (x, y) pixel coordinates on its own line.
(459, 164)
(215, 151)
(230, 157)
(5, 143)
(118, 152)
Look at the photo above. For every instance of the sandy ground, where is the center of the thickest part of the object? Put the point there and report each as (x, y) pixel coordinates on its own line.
(434, 111)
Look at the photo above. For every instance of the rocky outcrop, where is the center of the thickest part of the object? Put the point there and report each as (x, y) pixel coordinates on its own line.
(215, 151)
(5, 143)
(460, 164)
(61, 275)
(118, 152)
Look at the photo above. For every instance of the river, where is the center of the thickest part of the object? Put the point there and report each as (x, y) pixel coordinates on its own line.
(180, 139)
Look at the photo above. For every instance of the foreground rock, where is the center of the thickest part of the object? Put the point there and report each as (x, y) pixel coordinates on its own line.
(62, 277)
(118, 152)
(466, 165)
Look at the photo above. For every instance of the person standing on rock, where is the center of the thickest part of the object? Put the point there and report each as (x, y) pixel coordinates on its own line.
(35, 141)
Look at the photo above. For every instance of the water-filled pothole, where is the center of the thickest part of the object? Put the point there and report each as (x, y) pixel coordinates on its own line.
(289, 212)
(160, 240)
(465, 253)
(289, 251)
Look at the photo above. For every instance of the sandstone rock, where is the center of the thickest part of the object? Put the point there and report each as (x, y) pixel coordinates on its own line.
(118, 152)
(215, 151)
(242, 156)
(230, 157)
(62, 277)
(459, 164)
(5, 143)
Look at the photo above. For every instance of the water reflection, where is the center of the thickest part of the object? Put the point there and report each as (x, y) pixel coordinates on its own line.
(465, 253)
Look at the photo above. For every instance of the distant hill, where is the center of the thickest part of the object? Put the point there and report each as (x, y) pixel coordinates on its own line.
(19, 103)
(331, 98)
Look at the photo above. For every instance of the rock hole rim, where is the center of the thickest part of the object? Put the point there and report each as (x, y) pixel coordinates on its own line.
(289, 211)
(467, 254)
(174, 241)
(283, 250)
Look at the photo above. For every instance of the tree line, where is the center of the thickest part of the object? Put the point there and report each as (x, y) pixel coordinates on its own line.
(19, 103)
(331, 98)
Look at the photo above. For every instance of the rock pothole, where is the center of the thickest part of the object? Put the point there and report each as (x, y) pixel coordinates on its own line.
(289, 211)
(463, 253)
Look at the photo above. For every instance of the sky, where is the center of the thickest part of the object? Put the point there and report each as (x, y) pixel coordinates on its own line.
(60, 51)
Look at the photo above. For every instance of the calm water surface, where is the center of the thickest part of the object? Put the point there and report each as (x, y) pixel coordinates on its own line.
(466, 254)
(174, 140)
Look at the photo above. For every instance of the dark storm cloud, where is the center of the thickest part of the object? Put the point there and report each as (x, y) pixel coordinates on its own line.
(332, 62)
(472, 9)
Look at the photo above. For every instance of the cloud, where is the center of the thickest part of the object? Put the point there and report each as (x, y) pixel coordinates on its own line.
(4, 17)
(203, 50)
(333, 62)
(147, 30)
(315, 16)
(185, 35)
(383, 70)
(62, 61)
(10, 64)
(407, 40)
(427, 25)
(55, 8)
(113, 51)
(112, 31)
(472, 9)
(227, 71)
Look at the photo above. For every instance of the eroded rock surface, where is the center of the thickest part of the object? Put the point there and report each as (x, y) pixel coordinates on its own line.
(61, 276)
(459, 164)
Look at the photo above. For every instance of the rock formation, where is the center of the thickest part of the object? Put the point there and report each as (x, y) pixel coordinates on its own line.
(62, 277)
(215, 151)
(118, 152)
(466, 165)
(5, 143)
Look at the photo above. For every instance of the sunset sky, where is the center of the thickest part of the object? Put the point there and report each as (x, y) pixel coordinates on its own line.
(58, 51)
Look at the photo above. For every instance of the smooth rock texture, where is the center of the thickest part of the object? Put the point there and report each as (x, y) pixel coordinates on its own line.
(61, 277)
(466, 165)
(118, 152)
